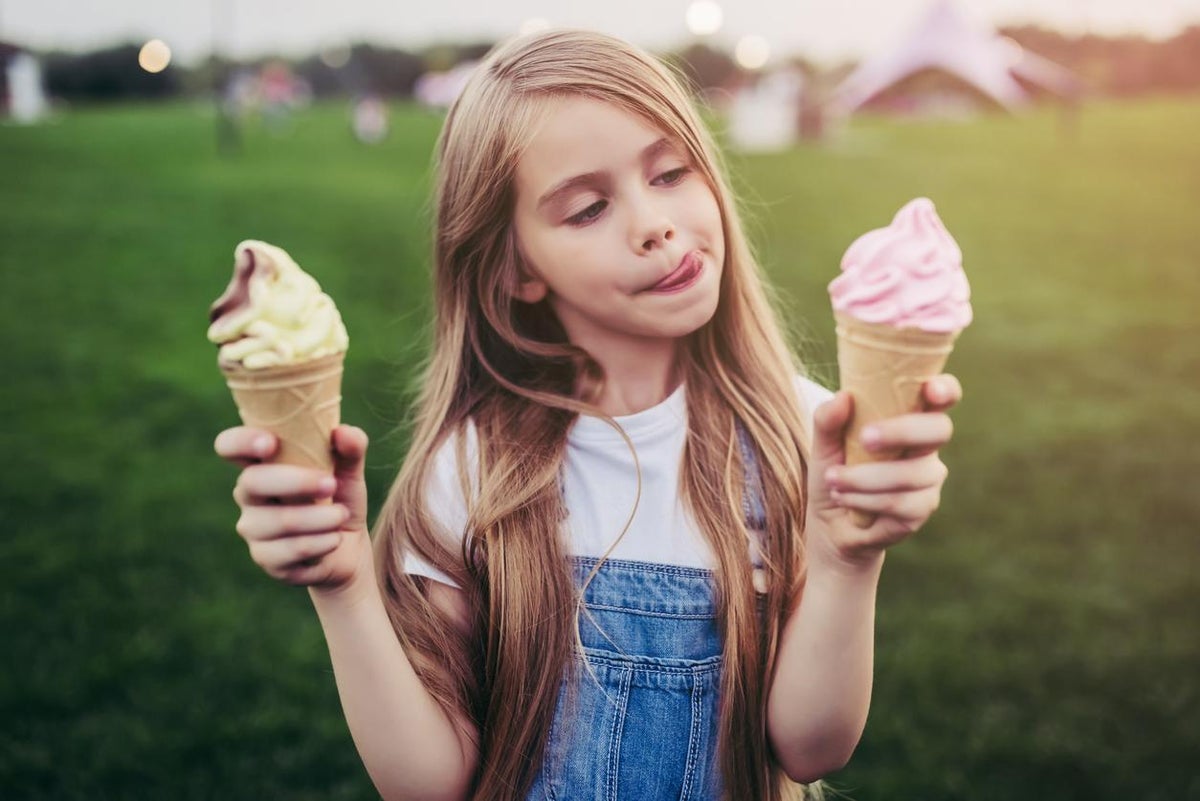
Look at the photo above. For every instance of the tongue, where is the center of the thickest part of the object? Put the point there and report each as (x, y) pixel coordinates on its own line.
(678, 278)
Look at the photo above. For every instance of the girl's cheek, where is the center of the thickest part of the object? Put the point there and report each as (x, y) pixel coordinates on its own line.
(701, 206)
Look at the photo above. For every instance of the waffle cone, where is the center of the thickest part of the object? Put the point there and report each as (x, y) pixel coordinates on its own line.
(298, 403)
(884, 368)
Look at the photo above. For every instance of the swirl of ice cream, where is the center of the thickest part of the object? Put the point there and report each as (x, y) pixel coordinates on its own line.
(907, 275)
(273, 313)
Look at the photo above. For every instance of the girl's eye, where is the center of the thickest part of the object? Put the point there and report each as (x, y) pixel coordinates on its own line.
(588, 214)
(673, 176)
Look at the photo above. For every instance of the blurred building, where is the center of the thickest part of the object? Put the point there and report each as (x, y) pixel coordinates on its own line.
(764, 114)
(948, 65)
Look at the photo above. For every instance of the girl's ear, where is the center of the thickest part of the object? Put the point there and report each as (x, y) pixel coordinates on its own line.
(530, 290)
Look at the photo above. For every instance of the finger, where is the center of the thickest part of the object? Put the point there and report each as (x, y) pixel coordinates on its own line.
(928, 430)
(941, 393)
(349, 452)
(282, 483)
(917, 453)
(907, 506)
(349, 467)
(260, 523)
(829, 422)
(895, 476)
(245, 445)
(279, 557)
(307, 574)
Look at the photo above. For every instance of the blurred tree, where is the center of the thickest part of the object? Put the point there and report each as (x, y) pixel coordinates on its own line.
(1180, 60)
(444, 56)
(110, 74)
(209, 76)
(325, 80)
(1123, 65)
(706, 67)
(385, 71)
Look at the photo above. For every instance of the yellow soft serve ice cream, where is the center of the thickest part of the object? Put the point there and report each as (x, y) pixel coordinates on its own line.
(273, 313)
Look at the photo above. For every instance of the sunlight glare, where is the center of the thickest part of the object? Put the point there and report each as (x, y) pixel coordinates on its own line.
(154, 56)
(704, 17)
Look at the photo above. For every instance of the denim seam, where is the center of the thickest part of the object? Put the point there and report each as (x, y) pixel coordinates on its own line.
(647, 567)
(693, 737)
(649, 613)
(699, 666)
(614, 737)
(549, 759)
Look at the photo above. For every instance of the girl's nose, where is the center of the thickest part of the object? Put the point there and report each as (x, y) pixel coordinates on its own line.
(651, 226)
(658, 240)
(653, 231)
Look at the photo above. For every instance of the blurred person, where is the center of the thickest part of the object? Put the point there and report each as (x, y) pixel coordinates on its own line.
(619, 553)
(279, 92)
(369, 120)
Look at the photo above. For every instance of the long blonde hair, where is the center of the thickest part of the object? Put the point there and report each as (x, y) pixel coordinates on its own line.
(508, 369)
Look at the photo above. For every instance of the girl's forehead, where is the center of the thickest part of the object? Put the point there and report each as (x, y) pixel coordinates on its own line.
(584, 134)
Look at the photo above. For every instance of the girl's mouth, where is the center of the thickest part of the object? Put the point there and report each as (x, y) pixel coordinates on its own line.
(683, 276)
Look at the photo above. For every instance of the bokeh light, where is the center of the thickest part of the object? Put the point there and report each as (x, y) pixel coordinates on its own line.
(704, 17)
(752, 52)
(154, 56)
(335, 57)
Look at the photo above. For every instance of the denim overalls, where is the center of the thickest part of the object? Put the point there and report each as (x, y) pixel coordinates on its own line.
(643, 722)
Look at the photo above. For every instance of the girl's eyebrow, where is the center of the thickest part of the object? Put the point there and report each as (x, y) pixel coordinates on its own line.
(649, 153)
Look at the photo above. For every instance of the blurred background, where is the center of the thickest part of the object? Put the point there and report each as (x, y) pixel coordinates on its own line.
(1038, 639)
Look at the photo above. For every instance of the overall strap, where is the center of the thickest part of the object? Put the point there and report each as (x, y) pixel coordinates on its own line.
(752, 501)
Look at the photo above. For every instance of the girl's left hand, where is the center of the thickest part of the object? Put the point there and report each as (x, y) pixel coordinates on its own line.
(903, 492)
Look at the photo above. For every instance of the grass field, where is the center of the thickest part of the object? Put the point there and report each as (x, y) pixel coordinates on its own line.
(1038, 640)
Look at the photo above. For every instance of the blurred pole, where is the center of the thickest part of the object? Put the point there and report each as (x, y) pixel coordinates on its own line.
(228, 139)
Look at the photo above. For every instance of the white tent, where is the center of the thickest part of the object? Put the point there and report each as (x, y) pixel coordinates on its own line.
(945, 41)
(22, 97)
(26, 98)
(765, 115)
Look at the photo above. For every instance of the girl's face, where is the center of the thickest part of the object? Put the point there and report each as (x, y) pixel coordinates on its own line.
(607, 206)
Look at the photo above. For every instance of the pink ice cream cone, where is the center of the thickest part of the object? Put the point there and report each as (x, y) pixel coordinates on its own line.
(900, 302)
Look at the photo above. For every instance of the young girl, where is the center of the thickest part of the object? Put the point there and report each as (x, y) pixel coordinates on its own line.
(618, 562)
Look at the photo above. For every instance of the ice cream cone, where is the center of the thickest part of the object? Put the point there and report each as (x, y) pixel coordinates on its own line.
(299, 403)
(884, 368)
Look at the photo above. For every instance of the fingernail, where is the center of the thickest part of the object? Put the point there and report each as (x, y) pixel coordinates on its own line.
(832, 475)
(262, 444)
(327, 484)
(870, 435)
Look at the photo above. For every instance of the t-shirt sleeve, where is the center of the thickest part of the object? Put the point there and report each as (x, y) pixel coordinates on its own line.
(446, 503)
(811, 395)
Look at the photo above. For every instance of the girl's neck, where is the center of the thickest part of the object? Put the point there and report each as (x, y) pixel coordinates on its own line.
(636, 382)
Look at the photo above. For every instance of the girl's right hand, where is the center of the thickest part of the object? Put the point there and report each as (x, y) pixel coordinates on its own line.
(303, 526)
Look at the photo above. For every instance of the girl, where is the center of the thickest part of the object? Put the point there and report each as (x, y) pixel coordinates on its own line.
(618, 561)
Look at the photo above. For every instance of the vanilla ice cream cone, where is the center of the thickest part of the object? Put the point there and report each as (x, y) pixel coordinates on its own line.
(282, 345)
(298, 403)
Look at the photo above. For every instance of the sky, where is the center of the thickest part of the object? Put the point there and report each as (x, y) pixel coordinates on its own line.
(827, 31)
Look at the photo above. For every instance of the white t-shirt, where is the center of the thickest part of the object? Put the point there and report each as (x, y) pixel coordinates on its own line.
(600, 487)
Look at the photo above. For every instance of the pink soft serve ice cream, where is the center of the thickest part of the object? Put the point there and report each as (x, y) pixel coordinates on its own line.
(907, 275)
(900, 302)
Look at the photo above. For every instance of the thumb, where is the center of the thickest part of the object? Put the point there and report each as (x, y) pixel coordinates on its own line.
(349, 462)
(829, 440)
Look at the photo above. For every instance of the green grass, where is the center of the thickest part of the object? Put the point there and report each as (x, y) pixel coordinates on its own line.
(1037, 640)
